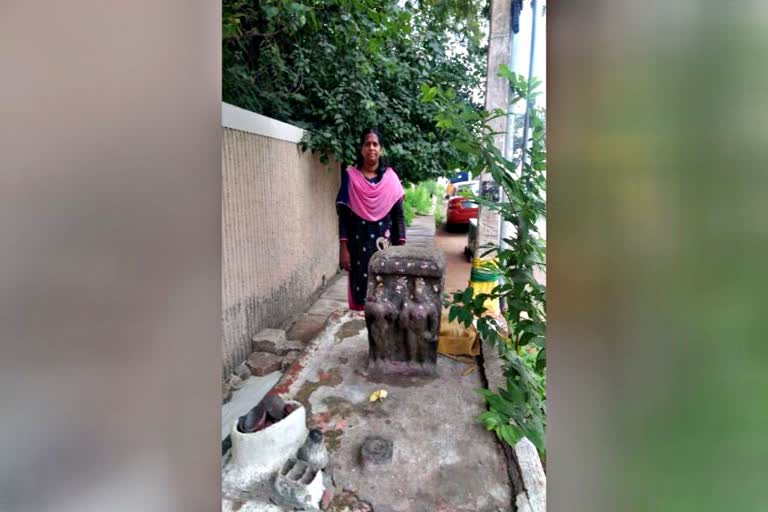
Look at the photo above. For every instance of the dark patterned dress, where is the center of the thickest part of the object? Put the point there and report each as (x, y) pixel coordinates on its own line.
(362, 238)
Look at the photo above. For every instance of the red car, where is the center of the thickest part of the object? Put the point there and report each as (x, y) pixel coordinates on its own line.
(460, 210)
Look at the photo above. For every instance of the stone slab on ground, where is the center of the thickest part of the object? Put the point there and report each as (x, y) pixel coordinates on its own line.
(264, 363)
(276, 336)
(421, 232)
(281, 349)
(307, 327)
(243, 400)
(532, 474)
(325, 307)
(337, 292)
(443, 459)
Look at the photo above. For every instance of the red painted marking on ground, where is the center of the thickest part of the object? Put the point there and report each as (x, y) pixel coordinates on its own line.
(284, 384)
(321, 420)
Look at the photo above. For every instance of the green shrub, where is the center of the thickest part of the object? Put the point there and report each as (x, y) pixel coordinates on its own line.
(432, 187)
(408, 212)
(439, 215)
(418, 198)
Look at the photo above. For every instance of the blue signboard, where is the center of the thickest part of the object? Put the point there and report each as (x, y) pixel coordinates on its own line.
(463, 176)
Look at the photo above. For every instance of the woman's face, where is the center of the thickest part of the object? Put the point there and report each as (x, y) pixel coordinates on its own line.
(371, 149)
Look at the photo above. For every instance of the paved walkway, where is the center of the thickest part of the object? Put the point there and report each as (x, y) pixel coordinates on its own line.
(421, 232)
(444, 460)
(457, 268)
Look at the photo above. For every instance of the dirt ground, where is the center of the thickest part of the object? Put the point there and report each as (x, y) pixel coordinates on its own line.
(457, 268)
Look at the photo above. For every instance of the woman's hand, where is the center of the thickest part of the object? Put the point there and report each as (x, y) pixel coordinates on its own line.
(345, 261)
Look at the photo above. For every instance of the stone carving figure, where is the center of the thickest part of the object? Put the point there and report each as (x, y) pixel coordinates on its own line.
(381, 312)
(419, 320)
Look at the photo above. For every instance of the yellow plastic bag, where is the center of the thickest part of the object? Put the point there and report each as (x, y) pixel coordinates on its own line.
(457, 340)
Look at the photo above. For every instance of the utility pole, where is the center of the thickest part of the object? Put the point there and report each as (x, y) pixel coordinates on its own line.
(496, 96)
(509, 136)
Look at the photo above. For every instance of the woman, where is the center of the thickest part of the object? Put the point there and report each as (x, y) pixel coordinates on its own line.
(370, 209)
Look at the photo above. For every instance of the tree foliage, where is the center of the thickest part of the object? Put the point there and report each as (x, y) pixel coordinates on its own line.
(336, 67)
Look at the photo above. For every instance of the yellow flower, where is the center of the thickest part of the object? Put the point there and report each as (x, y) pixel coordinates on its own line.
(379, 394)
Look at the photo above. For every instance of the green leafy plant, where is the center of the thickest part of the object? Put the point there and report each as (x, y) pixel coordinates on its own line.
(439, 215)
(519, 410)
(409, 212)
(336, 67)
(418, 197)
(432, 187)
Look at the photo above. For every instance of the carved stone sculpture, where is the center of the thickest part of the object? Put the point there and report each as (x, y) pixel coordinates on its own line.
(402, 310)
(381, 314)
(420, 322)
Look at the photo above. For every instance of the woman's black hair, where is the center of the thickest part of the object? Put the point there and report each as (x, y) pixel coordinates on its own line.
(359, 162)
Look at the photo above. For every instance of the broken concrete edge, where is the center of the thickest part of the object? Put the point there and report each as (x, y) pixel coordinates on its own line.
(285, 326)
(521, 476)
(291, 375)
(532, 474)
(283, 385)
(314, 297)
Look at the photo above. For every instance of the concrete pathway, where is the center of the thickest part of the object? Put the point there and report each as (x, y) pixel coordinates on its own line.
(457, 268)
(421, 232)
(443, 458)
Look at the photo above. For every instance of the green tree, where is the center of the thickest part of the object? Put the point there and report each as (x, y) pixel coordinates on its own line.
(337, 67)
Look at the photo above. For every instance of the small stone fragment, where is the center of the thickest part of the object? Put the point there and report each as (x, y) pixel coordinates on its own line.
(274, 342)
(235, 382)
(263, 363)
(226, 391)
(290, 358)
(243, 371)
(325, 501)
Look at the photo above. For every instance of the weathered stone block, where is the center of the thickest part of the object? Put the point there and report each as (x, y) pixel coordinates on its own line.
(402, 311)
(274, 341)
(407, 260)
(262, 363)
(276, 336)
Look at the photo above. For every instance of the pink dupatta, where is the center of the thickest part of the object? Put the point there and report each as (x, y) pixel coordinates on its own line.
(373, 201)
